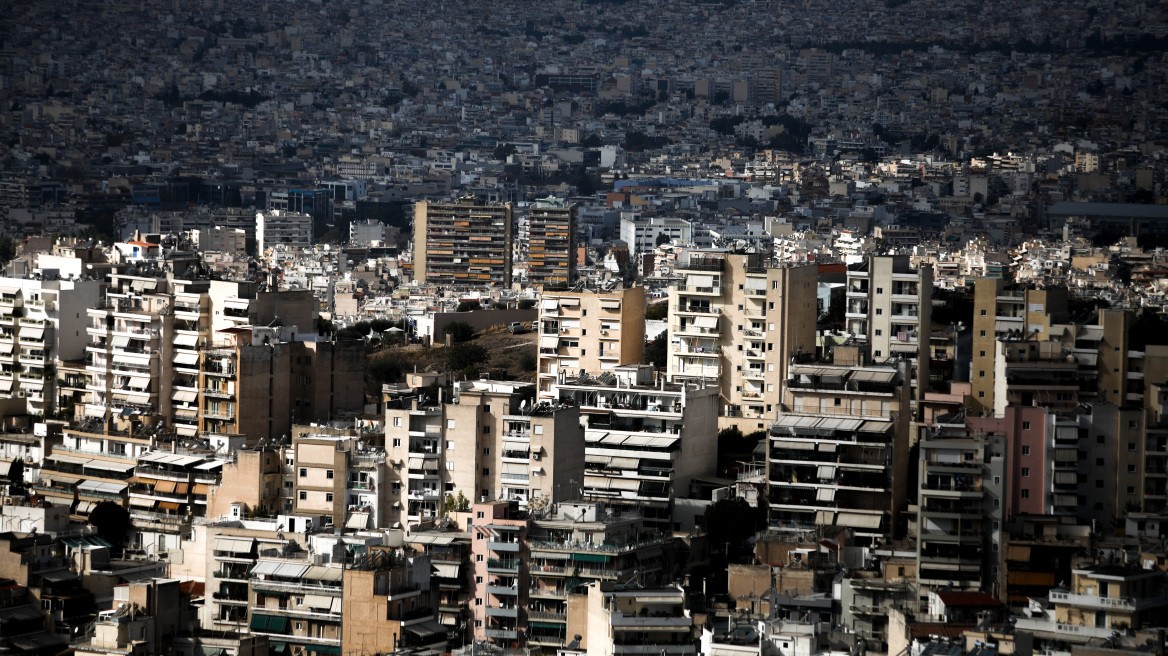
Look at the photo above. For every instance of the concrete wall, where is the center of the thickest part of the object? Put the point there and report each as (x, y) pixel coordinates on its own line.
(480, 320)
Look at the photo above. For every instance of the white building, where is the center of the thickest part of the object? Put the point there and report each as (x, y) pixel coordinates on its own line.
(275, 227)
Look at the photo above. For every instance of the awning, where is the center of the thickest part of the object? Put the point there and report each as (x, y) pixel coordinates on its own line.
(446, 570)
(858, 520)
(181, 488)
(139, 382)
(874, 375)
(590, 558)
(165, 486)
(182, 358)
(72, 460)
(825, 517)
(699, 281)
(210, 464)
(9, 291)
(1066, 478)
(825, 494)
(168, 505)
(290, 570)
(426, 629)
(318, 601)
(549, 341)
(552, 555)
(570, 302)
(106, 465)
(706, 322)
(5, 348)
(548, 625)
(609, 304)
(826, 471)
(322, 573)
(265, 568)
(185, 340)
(201, 488)
(549, 304)
(32, 332)
(121, 341)
(359, 520)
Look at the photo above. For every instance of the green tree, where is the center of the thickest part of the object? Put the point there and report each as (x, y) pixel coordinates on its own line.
(111, 521)
(504, 150)
(469, 306)
(464, 356)
(457, 503)
(729, 523)
(528, 362)
(459, 331)
(656, 351)
(526, 304)
(657, 311)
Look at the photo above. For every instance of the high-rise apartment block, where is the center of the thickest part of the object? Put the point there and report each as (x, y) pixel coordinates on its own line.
(552, 244)
(839, 449)
(42, 323)
(463, 243)
(889, 306)
(646, 439)
(283, 228)
(736, 322)
(490, 442)
(589, 332)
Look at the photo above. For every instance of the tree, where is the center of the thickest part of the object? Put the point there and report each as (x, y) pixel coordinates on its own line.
(457, 504)
(504, 150)
(111, 521)
(657, 311)
(469, 306)
(730, 523)
(459, 331)
(528, 362)
(527, 304)
(656, 351)
(464, 356)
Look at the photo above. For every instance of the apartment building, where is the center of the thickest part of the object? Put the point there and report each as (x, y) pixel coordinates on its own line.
(283, 228)
(612, 620)
(231, 552)
(388, 605)
(490, 442)
(839, 448)
(579, 542)
(42, 323)
(889, 307)
(343, 478)
(999, 312)
(95, 462)
(500, 539)
(1101, 600)
(960, 510)
(552, 244)
(463, 243)
(645, 439)
(589, 332)
(449, 551)
(168, 491)
(738, 321)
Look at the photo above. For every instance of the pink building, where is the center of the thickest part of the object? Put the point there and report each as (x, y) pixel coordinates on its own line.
(1029, 433)
(499, 549)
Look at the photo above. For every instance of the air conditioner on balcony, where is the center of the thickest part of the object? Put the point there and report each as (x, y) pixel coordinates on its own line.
(535, 456)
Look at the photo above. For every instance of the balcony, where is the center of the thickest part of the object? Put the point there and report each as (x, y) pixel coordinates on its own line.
(218, 392)
(505, 634)
(502, 591)
(222, 415)
(502, 611)
(1117, 603)
(696, 309)
(505, 547)
(543, 615)
(503, 566)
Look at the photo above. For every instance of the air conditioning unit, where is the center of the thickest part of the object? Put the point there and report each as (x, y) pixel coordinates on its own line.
(535, 456)
(603, 331)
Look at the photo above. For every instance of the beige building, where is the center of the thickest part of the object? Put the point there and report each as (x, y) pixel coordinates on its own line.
(491, 441)
(589, 332)
(737, 321)
(552, 245)
(463, 243)
(889, 307)
(641, 620)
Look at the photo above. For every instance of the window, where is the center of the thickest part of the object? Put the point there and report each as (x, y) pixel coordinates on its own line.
(1131, 489)
(303, 495)
(981, 395)
(486, 431)
(838, 401)
(328, 473)
(1025, 494)
(1099, 462)
(449, 424)
(478, 558)
(997, 480)
(299, 626)
(1099, 439)
(879, 332)
(983, 313)
(1131, 469)
(1098, 505)
(770, 326)
(486, 450)
(981, 373)
(1131, 446)
(397, 422)
(1099, 484)
(981, 354)
(983, 333)
(1025, 450)
(480, 515)
(1132, 423)
(328, 497)
(486, 471)
(449, 466)
(303, 472)
(997, 503)
(583, 332)
(449, 445)
(876, 354)
(879, 311)
(1025, 472)
(486, 408)
(396, 442)
(879, 290)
